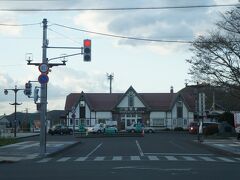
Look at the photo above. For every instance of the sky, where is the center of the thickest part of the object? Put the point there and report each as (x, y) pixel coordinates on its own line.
(150, 67)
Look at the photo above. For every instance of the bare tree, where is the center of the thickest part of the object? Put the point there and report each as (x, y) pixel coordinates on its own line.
(216, 57)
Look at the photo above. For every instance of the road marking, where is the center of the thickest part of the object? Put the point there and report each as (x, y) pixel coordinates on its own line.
(117, 158)
(153, 158)
(100, 158)
(135, 158)
(32, 156)
(139, 148)
(189, 158)
(207, 159)
(81, 159)
(44, 160)
(171, 158)
(226, 159)
(237, 159)
(177, 154)
(63, 159)
(5, 158)
(94, 150)
(28, 146)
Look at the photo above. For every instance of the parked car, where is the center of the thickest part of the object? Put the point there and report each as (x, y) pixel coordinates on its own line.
(135, 128)
(97, 128)
(60, 129)
(110, 130)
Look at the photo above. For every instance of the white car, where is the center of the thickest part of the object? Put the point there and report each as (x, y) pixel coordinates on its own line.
(98, 128)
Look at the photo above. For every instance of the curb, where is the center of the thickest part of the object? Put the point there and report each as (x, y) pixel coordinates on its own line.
(108, 135)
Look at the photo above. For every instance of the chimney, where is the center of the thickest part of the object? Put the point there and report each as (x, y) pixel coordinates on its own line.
(171, 90)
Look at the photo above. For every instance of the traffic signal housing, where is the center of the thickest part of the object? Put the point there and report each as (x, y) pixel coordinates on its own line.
(28, 89)
(87, 50)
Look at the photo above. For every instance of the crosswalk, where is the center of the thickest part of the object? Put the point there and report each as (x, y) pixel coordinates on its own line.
(141, 158)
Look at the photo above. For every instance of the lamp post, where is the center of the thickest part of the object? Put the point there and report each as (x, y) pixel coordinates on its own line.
(15, 90)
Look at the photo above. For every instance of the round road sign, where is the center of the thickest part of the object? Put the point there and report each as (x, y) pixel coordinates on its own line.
(43, 79)
(43, 68)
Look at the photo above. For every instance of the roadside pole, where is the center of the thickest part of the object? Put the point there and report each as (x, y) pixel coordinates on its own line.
(43, 96)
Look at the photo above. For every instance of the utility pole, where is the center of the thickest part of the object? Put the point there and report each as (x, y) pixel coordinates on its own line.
(15, 90)
(43, 78)
(110, 78)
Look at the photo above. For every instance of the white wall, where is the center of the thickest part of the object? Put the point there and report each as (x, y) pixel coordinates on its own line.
(137, 102)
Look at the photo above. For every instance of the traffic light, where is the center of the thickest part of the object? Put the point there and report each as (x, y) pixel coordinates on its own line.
(35, 95)
(28, 89)
(87, 50)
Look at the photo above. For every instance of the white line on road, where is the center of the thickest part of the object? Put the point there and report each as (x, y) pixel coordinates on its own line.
(139, 148)
(153, 158)
(177, 154)
(189, 158)
(225, 159)
(28, 146)
(81, 159)
(207, 159)
(135, 158)
(117, 158)
(100, 158)
(94, 150)
(44, 160)
(63, 159)
(171, 158)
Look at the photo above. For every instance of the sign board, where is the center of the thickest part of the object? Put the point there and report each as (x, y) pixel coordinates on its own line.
(43, 79)
(43, 68)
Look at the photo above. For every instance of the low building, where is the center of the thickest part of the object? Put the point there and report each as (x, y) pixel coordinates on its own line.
(165, 110)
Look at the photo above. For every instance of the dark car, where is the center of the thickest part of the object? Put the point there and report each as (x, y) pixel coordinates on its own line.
(208, 128)
(60, 129)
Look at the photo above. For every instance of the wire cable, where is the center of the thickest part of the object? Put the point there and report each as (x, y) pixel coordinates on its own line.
(120, 9)
(125, 37)
(33, 24)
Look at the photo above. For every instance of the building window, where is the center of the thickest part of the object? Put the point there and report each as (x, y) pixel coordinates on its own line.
(70, 121)
(76, 122)
(158, 122)
(179, 109)
(131, 100)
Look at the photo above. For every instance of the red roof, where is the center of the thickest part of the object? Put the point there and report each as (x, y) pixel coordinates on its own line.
(107, 102)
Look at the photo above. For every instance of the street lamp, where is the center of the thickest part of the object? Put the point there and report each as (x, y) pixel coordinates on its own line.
(15, 90)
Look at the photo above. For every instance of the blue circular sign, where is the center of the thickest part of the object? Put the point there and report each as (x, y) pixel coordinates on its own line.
(43, 79)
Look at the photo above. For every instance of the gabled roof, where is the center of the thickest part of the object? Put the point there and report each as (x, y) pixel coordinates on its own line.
(135, 92)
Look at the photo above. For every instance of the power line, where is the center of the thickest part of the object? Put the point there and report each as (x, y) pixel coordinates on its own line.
(33, 24)
(125, 37)
(119, 9)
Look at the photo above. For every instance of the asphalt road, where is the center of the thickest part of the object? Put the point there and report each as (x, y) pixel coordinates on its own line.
(155, 156)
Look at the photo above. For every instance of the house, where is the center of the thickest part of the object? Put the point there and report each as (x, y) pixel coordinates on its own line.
(166, 110)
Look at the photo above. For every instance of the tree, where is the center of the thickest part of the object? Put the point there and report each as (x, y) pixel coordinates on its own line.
(216, 57)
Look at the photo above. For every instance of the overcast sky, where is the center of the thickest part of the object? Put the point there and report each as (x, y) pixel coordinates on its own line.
(147, 66)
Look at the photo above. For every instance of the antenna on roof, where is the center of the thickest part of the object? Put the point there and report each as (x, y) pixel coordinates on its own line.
(110, 77)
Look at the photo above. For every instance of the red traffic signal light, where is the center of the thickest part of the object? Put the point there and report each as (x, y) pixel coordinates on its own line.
(87, 49)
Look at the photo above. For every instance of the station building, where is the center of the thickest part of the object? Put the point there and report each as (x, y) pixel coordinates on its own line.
(163, 110)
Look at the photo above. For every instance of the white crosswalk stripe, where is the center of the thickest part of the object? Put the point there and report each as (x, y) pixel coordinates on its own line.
(117, 158)
(171, 158)
(63, 159)
(100, 158)
(81, 159)
(153, 158)
(44, 160)
(205, 158)
(135, 158)
(238, 159)
(189, 158)
(226, 159)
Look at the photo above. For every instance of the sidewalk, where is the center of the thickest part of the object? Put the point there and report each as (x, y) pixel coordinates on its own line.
(19, 135)
(31, 150)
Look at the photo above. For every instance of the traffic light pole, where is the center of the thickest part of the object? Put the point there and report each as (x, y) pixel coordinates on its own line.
(43, 95)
